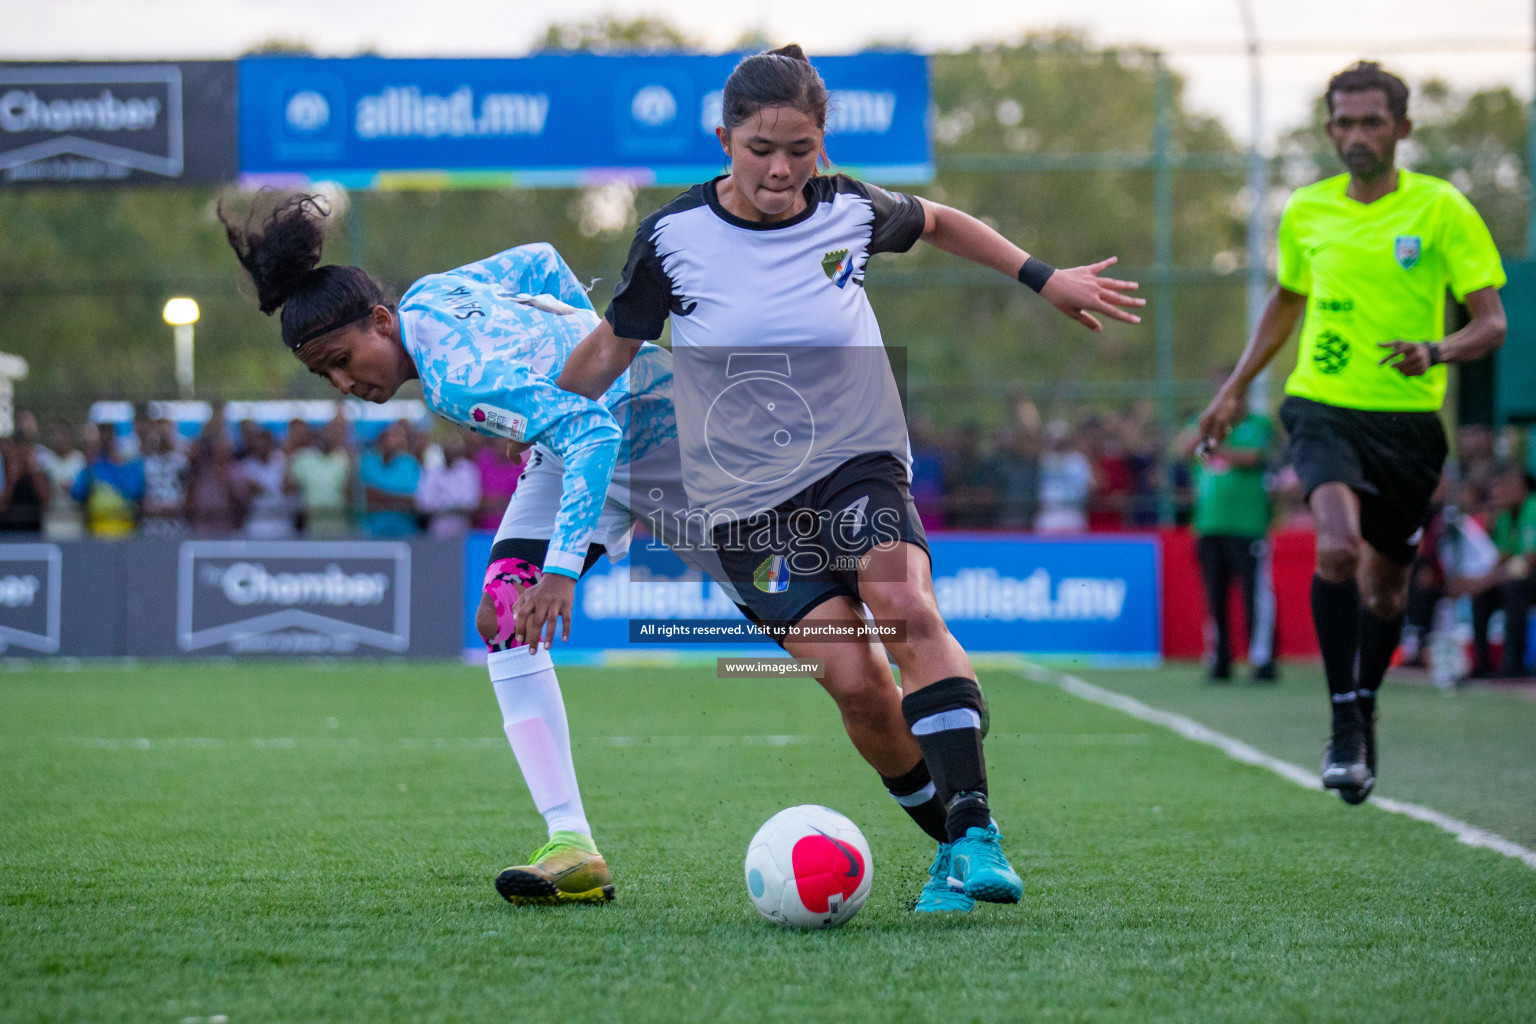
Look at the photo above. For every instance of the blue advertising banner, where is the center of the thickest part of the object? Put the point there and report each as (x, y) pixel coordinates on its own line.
(1091, 598)
(548, 120)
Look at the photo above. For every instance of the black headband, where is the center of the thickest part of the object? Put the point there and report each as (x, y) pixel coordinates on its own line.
(299, 343)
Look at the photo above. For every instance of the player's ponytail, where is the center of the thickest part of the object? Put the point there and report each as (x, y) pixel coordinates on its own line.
(782, 77)
(281, 251)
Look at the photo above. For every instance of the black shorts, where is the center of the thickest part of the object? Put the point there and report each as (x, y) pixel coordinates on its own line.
(787, 560)
(1392, 460)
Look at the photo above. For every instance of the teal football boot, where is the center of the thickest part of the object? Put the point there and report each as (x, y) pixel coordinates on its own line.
(977, 865)
(938, 895)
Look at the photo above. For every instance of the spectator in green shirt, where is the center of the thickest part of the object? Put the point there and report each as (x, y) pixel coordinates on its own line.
(1510, 586)
(389, 475)
(321, 474)
(1231, 520)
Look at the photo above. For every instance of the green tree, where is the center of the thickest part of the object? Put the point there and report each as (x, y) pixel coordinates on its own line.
(84, 272)
(84, 275)
(609, 33)
(1476, 140)
(1054, 95)
(280, 46)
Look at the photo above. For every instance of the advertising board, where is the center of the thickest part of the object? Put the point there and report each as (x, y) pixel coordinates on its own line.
(1092, 599)
(551, 120)
(31, 597)
(124, 123)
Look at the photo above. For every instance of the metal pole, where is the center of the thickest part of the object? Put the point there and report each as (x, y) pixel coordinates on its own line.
(1258, 191)
(1530, 161)
(181, 335)
(356, 229)
(1162, 270)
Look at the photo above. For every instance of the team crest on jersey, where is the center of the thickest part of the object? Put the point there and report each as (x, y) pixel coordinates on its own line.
(502, 422)
(1407, 249)
(838, 266)
(772, 577)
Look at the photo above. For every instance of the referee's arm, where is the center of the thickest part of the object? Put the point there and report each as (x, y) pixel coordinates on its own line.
(1484, 334)
(1281, 313)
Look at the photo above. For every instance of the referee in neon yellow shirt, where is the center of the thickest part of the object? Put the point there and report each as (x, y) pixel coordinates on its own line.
(1366, 259)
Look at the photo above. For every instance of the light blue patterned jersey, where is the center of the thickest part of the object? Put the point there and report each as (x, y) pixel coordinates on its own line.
(489, 339)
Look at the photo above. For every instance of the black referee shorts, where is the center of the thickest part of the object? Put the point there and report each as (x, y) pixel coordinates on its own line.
(1392, 460)
(787, 560)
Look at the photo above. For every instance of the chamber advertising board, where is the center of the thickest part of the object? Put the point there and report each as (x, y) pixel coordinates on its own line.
(553, 120)
(161, 597)
(128, 123)
(31, 598)
(293, 597)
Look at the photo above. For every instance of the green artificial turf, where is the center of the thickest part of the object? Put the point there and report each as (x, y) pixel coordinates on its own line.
(1469, 753)
(312, 843)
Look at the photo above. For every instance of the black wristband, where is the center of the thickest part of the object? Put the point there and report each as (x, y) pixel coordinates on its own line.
(1436, 357)
(1035, 273)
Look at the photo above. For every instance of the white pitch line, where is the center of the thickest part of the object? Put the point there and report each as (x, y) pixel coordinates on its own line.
(1236, 749)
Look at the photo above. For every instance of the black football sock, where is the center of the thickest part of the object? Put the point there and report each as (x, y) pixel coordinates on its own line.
(946, 719)
(1346, 715)
(1378, 639)
(1336, 615)
(1365, 700)
(919, 797)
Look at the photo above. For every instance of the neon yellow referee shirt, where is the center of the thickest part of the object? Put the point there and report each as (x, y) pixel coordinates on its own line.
(1376, 272)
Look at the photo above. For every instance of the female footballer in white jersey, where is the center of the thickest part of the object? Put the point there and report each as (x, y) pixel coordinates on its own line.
(792, 439)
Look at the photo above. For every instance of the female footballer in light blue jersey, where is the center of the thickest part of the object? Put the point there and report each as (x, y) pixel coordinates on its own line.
(486, 341)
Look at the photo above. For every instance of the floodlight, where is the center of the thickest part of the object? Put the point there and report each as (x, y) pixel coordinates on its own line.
(179, 312)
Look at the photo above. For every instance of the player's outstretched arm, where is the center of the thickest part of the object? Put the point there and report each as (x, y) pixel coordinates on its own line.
(1079, 292)
(597, 361)
(1279, 319)
(1483, 335)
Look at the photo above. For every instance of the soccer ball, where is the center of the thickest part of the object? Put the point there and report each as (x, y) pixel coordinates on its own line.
(808, 867)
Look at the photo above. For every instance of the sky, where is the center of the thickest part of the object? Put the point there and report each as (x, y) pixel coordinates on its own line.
(1483, 43)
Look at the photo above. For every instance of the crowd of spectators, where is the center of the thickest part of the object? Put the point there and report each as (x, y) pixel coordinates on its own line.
(247, 480)
(1480, 546)
(1101, 472)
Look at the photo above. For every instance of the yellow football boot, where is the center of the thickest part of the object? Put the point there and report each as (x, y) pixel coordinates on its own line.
(567, 869)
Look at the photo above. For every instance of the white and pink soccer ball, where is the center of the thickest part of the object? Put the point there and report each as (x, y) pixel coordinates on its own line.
(808, 867)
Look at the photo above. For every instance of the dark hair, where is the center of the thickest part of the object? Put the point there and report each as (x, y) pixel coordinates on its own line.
(1364, 75)
(782, 77)
(281, 251)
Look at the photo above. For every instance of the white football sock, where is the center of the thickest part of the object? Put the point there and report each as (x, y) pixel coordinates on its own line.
(533, 715)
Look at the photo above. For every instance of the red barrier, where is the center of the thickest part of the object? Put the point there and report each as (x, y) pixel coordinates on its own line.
(1184, 598)
(1183, 602)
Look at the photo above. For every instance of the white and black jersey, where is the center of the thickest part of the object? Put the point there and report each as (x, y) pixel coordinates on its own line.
(780, 371)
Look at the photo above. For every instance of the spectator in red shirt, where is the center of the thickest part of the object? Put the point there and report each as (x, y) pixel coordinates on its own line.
(1113, 480)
